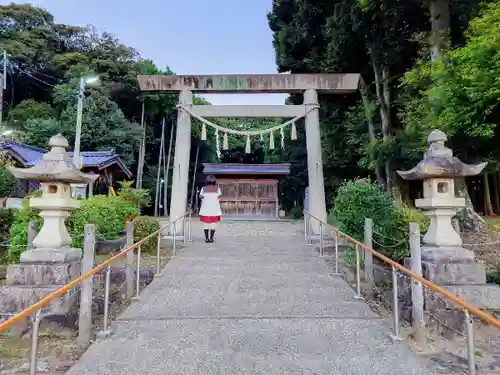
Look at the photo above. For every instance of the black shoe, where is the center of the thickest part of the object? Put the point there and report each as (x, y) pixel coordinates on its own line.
(207, 240)
(212, 232)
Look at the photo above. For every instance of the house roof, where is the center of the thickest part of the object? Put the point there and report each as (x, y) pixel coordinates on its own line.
(246, 169)
(29, 155)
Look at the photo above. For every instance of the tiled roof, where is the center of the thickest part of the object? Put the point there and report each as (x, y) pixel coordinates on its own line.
(30, 155)
(242, 169)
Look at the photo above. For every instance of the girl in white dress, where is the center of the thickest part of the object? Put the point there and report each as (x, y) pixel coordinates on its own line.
(210, 211)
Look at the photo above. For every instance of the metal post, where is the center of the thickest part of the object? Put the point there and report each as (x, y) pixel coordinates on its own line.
(395, 305)
(309, 237)
(358, 277)
(368, 242)
(189, 227)
(305, 225)
(105, 332)
(129, 267)
(138, 274)
(336, 251)
(158, 244)
(34, 342)
(174, 239)
(321, 244)
(184, 231)
(471, 351)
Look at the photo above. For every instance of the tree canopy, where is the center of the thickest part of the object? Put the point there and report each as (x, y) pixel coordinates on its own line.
(424, 65)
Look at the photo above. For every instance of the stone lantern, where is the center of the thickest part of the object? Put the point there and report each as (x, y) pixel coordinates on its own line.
(56, 173)
(444, 261)
(438, 169)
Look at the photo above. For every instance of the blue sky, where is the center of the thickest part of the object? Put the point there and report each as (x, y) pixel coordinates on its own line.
(190, 36)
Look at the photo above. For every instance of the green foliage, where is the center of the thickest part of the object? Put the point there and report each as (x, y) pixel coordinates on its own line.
(138, 197)
(6, 219)
(109, 214)
(297, 212)
(394, 241)
(360, 199)
(30, 109)
(493, 276)
(19, 229)
(144, 226)
(8, 183)
(111, 112)
(459, 93)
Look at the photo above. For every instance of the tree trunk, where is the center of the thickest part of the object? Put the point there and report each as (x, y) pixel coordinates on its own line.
(440, 22)
(468, 217)
(371, 133)
(488, 207)
(496, 179)
(384, 99)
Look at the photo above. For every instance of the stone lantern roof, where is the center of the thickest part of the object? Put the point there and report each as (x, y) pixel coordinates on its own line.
(439, 162)
(55, 165)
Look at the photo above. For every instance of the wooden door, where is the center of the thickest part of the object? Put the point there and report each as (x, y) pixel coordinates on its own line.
(245, 197)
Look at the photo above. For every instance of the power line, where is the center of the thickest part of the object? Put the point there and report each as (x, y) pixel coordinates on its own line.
(32, 76)
(38, 71)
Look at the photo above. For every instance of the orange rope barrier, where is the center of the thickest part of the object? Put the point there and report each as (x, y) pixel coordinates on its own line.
(434, 287)
(52, 296)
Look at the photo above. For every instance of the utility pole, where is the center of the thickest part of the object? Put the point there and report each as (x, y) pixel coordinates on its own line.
(79, 117)
(142, 149)
(162, 149)
(1, 100)
(4, 86)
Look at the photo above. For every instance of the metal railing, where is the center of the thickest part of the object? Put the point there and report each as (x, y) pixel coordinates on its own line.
(35, 310)
(469, 310)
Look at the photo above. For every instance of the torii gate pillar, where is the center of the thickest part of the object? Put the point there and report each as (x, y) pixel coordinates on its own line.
(317, 204)
(180, 178)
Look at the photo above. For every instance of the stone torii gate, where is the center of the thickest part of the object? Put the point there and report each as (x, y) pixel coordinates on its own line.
(308, 84)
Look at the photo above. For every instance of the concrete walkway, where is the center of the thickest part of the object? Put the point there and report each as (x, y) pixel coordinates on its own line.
(258, 301)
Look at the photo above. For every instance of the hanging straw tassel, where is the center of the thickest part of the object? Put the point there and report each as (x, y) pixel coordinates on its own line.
(294, 132)
(225, 143)
(204, 132)
(282, 133)
(248, 148)
(271, 141)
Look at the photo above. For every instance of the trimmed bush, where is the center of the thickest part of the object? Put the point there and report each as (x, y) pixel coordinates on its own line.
(6, 219)
(19, 230)
(109, 214)
(144, 226)
(8, 183)
(297, 212)
(359, 199)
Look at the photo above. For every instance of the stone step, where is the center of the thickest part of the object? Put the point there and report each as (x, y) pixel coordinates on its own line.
(42, 274)
(15, 298)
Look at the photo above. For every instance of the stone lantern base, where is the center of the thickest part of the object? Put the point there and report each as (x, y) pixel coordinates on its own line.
(48, 256)
(457, 270)
(35, 278)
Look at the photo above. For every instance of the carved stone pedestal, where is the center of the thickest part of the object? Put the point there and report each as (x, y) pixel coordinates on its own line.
(29, 283)
(461, 275)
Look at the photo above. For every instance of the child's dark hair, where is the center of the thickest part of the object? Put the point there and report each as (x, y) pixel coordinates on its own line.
(210, 180)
